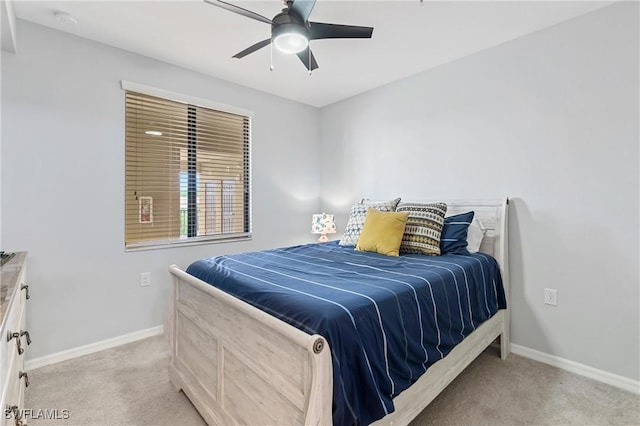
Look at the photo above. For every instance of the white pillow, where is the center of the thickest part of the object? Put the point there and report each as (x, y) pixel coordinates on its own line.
(475, 234)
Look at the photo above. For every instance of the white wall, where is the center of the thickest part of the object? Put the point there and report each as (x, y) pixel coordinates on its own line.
(550, 120)
(63, 183)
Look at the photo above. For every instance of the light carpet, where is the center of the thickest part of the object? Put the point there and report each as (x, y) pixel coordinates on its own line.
(129, 385)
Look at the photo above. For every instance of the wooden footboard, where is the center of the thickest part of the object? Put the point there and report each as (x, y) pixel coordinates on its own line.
(239, 365)
(415, 399)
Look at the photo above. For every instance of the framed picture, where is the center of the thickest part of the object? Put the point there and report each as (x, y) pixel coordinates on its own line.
(145, 209)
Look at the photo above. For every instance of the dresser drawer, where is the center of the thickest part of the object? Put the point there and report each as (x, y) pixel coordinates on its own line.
(14, 323)
(13, 343)
(17, 324)
(14, 394)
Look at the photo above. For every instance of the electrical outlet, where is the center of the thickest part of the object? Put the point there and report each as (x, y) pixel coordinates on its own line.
(145, 279)
(551, 296)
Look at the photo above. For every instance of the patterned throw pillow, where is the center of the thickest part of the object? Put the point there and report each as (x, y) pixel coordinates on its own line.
(424, 226)
(356, 219)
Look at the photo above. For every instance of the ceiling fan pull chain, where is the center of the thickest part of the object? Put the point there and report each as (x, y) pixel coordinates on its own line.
(309, 50)
(271, 49)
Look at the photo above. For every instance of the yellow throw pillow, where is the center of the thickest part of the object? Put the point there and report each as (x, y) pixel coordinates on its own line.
(382, 232)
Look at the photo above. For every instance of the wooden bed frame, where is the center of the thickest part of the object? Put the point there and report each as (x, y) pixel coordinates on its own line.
(240, 365)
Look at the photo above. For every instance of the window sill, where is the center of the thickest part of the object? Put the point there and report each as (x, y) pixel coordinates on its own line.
(197, 241)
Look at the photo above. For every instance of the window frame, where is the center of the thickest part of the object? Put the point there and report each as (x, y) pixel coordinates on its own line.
(204, 239)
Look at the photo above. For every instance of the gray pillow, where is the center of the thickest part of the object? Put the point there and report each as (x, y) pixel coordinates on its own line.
(357, 216)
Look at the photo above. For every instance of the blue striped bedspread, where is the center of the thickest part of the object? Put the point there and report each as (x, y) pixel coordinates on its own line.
(386, 319)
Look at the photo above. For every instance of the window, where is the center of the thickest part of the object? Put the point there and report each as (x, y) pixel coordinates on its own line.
(186, 172)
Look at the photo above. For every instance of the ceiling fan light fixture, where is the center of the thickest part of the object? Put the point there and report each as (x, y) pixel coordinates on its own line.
(291, 42)
(290, 38)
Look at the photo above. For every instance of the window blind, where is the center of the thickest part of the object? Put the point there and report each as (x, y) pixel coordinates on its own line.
(186, 172)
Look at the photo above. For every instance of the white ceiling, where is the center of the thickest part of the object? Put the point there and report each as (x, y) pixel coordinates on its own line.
(409, 37)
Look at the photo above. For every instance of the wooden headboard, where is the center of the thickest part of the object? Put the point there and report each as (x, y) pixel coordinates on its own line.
(493, 213)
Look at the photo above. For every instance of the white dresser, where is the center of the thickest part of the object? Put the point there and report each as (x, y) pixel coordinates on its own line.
(14, 339)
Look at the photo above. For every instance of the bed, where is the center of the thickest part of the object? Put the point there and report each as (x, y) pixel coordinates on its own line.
(241, 365)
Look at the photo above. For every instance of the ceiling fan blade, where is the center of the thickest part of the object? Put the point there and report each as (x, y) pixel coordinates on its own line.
(303, 8)
(251, 49)
(304, 57)
(319, 30)
(239, 10)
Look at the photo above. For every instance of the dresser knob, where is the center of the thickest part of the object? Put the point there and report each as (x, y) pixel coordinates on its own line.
(17, 415)
(12, 409)
(26, 378)
(25, 287)
(16, 336)
(26, 333)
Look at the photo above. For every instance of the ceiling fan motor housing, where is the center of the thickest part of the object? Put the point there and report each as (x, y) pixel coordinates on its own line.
(288, 22)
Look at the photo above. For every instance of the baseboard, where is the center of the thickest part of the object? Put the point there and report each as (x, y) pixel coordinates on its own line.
(32, 364)
(577, 368)
(562, 363)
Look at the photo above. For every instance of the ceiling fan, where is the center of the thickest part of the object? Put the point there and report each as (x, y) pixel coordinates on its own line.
(291, 29)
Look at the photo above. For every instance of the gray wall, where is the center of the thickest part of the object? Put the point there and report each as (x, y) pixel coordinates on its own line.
(550, 120)
(63, 183)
